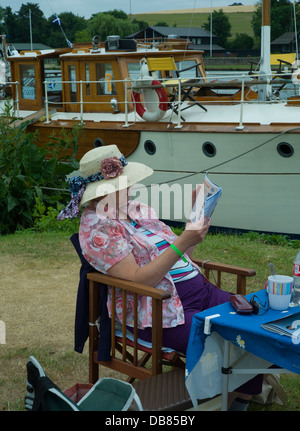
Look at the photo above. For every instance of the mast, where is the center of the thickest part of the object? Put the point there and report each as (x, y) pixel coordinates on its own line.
(265, 91)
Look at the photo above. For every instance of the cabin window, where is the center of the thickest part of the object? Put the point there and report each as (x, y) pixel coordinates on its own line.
(134, 70)
(27, 78)
(72, 86)
(105, 77)
(189, 69)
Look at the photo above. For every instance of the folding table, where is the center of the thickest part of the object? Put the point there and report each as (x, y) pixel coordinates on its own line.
(226, 349)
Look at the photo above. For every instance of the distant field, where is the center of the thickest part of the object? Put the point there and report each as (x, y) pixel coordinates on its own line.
(240, 21)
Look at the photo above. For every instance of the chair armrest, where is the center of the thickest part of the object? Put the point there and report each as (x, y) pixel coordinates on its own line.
(129, 286)
(241, 273)
(231, 269)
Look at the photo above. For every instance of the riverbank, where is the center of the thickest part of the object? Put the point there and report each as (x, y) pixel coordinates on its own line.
(230, 63)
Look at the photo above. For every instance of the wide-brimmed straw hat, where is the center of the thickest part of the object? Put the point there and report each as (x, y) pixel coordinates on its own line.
(102, 170)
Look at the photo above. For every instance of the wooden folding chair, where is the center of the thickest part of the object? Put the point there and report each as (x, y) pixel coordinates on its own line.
(168, 71)
(125, 354)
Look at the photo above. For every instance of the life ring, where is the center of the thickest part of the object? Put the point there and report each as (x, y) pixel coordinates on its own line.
(155, 102)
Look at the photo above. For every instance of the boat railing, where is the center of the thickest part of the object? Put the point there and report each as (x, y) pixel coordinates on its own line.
(213, 81)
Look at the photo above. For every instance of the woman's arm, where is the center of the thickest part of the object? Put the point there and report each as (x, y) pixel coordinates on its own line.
(152, 273)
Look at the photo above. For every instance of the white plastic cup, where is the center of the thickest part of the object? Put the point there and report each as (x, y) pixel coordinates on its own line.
(279, 291)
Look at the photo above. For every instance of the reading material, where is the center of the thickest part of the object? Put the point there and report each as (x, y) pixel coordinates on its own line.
(206, 201)
(288, 326)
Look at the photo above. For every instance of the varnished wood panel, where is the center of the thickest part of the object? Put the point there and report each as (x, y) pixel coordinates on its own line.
(127, 140)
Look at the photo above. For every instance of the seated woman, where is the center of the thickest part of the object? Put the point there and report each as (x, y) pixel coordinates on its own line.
(125, 239)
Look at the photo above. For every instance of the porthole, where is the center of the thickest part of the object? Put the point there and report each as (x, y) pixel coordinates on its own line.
(285, 150)
(209, 149)
(150, 147)
(98, 143)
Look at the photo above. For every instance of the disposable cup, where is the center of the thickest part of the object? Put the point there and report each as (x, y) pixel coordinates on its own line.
(279, 291)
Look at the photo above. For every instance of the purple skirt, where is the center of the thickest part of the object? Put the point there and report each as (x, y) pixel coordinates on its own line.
(197, 294)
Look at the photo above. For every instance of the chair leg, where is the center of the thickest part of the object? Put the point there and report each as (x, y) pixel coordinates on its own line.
(187, 95)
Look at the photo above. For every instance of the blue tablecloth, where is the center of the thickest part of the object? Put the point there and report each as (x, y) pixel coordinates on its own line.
(245, 332)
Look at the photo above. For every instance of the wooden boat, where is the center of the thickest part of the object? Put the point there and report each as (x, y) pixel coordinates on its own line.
(237, 130)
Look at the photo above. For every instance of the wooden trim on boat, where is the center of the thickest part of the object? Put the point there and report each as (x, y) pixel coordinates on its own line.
(138, 127)
(293, 101)
(126, 139)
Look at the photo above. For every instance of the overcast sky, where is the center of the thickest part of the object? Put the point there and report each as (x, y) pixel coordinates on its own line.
(88, 7)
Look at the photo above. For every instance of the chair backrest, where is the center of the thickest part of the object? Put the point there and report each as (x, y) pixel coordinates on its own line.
(161, 63)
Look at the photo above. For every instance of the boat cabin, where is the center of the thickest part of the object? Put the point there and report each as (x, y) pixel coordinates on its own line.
(88, 77)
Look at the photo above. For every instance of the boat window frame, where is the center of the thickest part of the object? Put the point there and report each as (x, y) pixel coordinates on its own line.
(92, 102)
(35, 103)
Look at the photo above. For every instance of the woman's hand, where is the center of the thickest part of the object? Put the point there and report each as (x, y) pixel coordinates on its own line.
(194, 233)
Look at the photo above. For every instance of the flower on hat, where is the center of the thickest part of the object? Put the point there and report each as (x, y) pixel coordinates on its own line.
(111, 168)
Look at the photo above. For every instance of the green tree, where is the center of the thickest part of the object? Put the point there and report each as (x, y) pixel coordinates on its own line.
(241, 41)
(39, 25)
(104, 25)
(117, 13)
(281, 18)
(161, 24)
(140, 23)
(220, 26)
(82, 36)
(71, 24)
(10, 24)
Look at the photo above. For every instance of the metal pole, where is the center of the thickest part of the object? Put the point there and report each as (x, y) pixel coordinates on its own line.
(225, 376)
(240, 127)
(31, 45)
(296, 36)
(179, 105)
(126, 104)
(211, 28)
(17, 99)
(46, 104)
(81, 103)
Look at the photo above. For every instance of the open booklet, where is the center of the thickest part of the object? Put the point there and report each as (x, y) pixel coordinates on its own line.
(206, 201)
(288, 325)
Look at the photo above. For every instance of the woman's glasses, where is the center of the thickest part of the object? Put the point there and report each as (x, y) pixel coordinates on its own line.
(257, 305)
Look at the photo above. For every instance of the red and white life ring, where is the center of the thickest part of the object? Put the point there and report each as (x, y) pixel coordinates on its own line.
(155, 102)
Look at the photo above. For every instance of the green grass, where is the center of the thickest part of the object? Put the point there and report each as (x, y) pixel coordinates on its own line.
(39, 279)
(240, 21)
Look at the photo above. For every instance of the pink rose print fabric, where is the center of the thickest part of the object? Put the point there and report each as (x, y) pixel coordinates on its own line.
(106, 241)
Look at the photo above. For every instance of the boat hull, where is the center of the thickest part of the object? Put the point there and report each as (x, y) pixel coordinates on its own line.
(260, 185)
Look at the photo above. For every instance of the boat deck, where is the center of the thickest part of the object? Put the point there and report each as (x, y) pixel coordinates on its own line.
(264, 114)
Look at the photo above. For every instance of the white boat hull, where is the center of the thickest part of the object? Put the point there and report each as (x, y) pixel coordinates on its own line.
(260, 187)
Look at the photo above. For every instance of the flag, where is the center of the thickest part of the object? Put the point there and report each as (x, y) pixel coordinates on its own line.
(70, 44)
(57, 20)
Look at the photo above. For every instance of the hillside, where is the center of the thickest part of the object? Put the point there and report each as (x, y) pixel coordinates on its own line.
(239, 17)
(226, 9)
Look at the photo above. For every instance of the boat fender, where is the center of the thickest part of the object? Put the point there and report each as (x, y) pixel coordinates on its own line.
(155, 101)
(144, 71)
(296, 77)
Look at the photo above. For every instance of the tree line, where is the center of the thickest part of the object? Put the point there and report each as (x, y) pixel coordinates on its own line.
(282, 20)
(78, 29)
(54, 33)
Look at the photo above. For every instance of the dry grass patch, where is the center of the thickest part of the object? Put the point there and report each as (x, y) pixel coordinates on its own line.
(39, 279)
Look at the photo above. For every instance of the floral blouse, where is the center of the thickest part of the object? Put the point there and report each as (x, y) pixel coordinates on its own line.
(106, 242)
